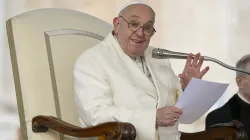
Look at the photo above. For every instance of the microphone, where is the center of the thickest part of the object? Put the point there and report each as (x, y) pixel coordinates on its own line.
(159, 53)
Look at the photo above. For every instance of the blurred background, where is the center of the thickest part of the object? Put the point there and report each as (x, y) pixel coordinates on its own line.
(216, 28)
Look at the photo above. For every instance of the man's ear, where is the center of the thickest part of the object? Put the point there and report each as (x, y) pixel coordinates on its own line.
(116, 25)
(238, 81)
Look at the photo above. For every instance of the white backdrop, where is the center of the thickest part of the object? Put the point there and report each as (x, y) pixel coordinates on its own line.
(216, 28)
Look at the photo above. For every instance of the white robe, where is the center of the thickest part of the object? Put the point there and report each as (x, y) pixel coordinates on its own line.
(109, 86)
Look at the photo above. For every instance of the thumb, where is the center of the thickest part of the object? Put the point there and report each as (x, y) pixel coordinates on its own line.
(181, 75)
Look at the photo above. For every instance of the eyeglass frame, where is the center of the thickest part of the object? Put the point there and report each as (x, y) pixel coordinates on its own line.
(141, 26)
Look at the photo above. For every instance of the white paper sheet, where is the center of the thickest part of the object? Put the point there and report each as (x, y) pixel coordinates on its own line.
(198, 97)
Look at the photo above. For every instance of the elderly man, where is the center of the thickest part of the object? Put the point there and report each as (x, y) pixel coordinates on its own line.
(238, 107)
(118, 80)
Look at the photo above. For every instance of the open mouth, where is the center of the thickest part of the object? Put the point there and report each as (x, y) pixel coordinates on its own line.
(137, 41)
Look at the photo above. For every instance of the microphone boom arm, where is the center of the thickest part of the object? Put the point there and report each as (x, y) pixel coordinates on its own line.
(161, 54)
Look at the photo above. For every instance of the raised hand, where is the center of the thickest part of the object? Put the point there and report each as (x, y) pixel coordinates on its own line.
(192, 69)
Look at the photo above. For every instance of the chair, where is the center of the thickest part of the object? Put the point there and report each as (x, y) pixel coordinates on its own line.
(44, 45)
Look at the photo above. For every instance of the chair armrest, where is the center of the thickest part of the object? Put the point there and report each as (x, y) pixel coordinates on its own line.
(233, 130)
(109, 130)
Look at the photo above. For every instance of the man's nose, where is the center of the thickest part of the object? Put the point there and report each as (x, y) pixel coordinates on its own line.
(140, 32)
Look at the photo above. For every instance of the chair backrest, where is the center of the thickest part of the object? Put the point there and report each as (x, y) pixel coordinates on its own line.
(44, 45)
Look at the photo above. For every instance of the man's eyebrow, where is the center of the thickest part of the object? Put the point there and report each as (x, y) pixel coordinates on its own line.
(135, 16)
(150, 22)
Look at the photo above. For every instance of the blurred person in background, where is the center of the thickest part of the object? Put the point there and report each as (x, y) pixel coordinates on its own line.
(238, 107)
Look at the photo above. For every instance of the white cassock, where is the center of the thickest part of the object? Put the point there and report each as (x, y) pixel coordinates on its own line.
(109, 86)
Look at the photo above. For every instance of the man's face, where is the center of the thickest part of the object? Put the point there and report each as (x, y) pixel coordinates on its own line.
(134, 42)
(244, 83)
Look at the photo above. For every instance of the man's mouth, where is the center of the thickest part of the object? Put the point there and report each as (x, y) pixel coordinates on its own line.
(137, 41)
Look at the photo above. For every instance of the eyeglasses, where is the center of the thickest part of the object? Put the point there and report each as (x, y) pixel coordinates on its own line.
(135, 26)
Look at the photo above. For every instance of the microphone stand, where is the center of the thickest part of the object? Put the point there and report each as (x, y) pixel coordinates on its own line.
(162, 53)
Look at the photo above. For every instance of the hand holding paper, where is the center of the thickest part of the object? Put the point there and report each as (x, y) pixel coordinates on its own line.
(198, 98)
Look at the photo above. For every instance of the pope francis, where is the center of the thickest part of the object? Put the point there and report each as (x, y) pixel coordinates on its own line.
(118, 80)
